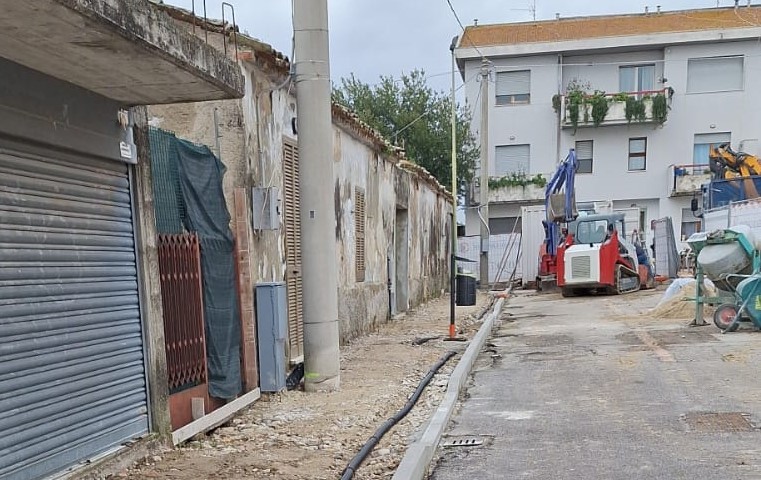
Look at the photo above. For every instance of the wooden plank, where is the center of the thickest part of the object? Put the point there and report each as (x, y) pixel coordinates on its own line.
(215, 418)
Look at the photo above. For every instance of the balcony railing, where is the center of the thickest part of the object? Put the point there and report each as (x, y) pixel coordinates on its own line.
(685, 180)
(642, 107)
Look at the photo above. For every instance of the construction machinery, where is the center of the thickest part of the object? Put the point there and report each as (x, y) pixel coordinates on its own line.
(560, 209)
(735, 176)
(595, 258)
(586, 253)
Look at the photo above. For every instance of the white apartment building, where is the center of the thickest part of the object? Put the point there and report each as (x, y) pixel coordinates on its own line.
(706, 63)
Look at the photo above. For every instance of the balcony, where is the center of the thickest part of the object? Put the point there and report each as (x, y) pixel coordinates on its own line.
(517, 188)
(580, 109)
(686, 180)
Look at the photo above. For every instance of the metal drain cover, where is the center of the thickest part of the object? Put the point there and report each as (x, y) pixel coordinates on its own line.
(462, 442)
(716, 422)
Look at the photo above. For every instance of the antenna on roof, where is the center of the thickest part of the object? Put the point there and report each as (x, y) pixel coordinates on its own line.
(531, 9)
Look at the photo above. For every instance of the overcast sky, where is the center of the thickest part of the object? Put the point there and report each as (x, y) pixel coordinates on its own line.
(388, 37)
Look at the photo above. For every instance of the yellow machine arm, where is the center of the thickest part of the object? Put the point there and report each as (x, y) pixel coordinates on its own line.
(728, 164)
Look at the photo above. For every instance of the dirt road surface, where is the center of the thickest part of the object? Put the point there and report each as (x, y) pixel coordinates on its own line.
(294, 435)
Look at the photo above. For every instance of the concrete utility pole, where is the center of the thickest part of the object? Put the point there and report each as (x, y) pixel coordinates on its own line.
(318, 218)
(453, 262)
(484, 182)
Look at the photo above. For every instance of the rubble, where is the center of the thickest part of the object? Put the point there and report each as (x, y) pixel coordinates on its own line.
(299, 436)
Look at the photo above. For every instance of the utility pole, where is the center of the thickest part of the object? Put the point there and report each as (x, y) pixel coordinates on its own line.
(483, 207)
(318, 218)
(453, 262)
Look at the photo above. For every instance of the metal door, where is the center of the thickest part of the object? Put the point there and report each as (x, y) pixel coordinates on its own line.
(72, 378)
(293, 275)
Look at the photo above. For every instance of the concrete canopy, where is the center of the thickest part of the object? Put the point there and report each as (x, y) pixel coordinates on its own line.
(126, 50)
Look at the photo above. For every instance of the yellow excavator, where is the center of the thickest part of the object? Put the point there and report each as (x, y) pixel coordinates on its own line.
(726, 164)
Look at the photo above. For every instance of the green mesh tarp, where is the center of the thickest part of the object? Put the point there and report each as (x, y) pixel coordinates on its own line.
(167, 197)
(187, 184)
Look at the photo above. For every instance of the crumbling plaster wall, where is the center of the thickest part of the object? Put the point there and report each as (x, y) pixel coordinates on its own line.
(252, 132)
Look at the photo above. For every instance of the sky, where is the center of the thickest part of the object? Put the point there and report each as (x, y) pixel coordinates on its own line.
(370, 38)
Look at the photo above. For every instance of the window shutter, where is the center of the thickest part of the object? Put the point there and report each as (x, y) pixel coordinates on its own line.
(513, 83)
(712, 138)
(714, 74)
(359, 233)
(584, 150)
(512, 159)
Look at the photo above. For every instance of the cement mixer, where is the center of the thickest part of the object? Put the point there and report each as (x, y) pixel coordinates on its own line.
(730, 258)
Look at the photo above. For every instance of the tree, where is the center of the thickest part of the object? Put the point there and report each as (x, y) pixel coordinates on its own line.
(412, 115)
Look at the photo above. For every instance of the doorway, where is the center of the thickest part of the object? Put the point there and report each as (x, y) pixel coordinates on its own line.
(401, 261)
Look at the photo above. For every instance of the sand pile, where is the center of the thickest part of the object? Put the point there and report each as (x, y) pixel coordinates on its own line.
(681, 304)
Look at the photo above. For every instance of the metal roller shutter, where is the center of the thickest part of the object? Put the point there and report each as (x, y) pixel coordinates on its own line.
(72, 378)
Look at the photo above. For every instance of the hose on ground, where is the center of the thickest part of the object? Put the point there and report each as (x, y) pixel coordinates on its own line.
(360, 457)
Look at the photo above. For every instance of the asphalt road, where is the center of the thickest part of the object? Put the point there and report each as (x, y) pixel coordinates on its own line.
(589, 388)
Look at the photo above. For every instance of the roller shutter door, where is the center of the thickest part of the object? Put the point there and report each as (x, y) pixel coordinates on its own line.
(72, 378)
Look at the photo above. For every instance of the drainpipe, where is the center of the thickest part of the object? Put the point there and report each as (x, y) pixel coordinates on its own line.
(560, 112)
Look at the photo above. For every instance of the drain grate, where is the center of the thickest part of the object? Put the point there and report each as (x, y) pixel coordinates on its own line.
(716, 422)
(462, 442)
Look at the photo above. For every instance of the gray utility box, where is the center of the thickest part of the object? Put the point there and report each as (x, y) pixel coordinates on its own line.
(272, 332)
(265, 208)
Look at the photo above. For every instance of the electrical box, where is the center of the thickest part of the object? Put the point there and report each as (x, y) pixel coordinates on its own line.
(265, 205)
(271, 335)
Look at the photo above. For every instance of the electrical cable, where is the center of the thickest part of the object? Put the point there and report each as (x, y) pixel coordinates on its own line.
(360, 457)
(457, 17)
(430, 110)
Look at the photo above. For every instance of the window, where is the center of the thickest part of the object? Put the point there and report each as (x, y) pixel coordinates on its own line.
(504, 225)
(513, 88)
(636, 78)
(715, 74)
(637, 154)
(512, 159)
(690, 223)
(359, 233)
(584, 156)
(703, 144)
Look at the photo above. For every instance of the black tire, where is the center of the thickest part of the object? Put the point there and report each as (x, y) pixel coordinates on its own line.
(723, 317)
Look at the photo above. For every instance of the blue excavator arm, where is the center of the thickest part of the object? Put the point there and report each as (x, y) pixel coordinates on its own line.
(562, 179)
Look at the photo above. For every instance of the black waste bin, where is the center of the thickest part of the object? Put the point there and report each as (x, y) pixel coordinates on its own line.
(466, 290)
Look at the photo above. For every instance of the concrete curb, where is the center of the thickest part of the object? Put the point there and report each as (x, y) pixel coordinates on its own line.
(419, 455)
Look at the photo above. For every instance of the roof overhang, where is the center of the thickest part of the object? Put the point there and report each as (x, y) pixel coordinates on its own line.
(126, 50)
(605, 44)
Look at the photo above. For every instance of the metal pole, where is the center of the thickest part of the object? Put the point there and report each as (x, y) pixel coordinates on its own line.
(484, 183)
(318, 218)
(453, 232)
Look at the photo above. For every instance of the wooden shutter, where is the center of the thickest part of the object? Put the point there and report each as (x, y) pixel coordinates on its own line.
(359, 233)
(293, 275)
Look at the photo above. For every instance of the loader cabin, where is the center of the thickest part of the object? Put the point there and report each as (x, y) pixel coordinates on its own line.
(595, 229)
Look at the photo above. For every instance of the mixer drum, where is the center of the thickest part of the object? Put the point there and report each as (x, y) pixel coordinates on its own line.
(720, 259)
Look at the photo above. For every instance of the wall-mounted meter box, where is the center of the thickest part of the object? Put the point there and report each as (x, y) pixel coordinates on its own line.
(265, 206)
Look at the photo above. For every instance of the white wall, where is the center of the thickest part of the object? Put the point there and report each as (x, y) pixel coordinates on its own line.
(536, 124)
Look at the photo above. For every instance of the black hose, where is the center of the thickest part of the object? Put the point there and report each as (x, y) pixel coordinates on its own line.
(355, 462)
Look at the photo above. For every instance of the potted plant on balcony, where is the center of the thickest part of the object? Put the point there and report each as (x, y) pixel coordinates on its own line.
(660, 108)
(600, 106)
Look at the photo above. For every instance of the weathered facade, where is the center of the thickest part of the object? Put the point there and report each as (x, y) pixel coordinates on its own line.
(392, 216)
(82, 367)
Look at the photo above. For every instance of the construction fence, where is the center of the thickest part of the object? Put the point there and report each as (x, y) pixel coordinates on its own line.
(504, 256)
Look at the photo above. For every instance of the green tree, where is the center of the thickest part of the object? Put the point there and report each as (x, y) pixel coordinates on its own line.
(413, 116)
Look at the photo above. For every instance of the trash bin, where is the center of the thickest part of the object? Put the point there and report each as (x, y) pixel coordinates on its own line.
(466, 289)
